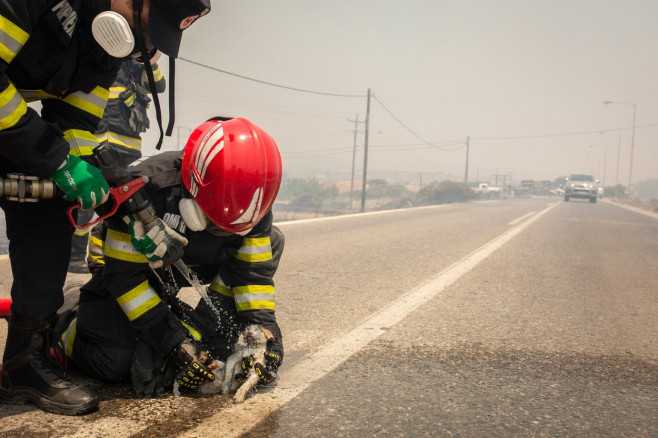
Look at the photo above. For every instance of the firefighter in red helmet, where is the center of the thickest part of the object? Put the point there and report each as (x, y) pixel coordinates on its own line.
(218, 194)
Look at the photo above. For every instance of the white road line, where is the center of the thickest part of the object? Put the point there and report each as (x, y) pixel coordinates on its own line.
(520, 219)
(343, 216)
(234, 420)
(635, 209)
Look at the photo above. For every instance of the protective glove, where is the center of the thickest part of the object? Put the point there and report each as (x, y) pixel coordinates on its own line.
(81, 181)
(160, 244)
(267, 373)
(189, 367)
(138, 122)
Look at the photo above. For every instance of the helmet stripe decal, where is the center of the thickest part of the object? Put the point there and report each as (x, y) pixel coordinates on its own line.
(253, 209)
(210, 146)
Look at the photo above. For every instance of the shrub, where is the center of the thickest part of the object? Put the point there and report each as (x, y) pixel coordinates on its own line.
(445, 192)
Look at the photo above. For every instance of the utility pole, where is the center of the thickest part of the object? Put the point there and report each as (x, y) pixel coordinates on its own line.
(496, 176)
(365, 156)
(468, 140)
(356, 123)
(617, 175)
(630, 170)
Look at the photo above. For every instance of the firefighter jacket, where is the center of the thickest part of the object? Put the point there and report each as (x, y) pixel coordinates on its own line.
(125, 116)
(47, 53)
(235, 268)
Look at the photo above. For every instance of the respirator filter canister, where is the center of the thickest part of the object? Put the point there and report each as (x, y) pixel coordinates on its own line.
(112, 32)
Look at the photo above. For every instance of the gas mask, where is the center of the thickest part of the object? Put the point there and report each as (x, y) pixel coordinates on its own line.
(113, 33)
(196, 219)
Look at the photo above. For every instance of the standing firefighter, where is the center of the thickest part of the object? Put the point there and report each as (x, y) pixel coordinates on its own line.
(124, 120)
(65, 54)
(218, 195)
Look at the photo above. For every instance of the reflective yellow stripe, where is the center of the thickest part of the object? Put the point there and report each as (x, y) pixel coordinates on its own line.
(12, 107)
(12, 39)
(118, 246)
(138, 301)
(96, 249)
(195, 334)
(93, 103)
(254, 297)
(157, 75)
(81, 142)
(81, 232)
(122, 140)
(217, 285)
(255, 249)
(116, 91)
(221, 289)
(68, 337)
(130, 100)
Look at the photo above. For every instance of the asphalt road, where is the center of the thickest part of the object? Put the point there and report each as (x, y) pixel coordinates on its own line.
(529, 317)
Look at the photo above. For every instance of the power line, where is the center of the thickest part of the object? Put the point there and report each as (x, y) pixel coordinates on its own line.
(269, 83)
(566, 134)
(435, 144)
(405, 126)
(200, 96)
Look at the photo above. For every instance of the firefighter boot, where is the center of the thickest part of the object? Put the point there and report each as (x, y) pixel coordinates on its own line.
(29, 376)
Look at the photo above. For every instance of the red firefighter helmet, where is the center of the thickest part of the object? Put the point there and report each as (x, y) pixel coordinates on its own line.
(233, 170)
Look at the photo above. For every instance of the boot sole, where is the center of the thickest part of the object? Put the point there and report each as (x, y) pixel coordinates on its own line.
(24, 396)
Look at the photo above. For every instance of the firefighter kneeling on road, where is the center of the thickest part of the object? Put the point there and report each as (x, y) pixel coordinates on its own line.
(218, 194)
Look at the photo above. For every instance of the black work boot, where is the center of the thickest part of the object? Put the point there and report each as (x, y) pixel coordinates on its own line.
(28, 375)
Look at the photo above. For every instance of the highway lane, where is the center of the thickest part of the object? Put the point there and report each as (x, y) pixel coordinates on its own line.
(552, 332)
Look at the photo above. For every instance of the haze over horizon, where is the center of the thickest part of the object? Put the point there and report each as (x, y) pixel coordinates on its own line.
(525, 81)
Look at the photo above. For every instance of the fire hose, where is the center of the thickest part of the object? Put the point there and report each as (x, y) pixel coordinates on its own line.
(27, 188)
(126, 191)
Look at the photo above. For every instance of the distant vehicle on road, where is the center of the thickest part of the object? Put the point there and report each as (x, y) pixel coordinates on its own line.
(581, 186)
(486, 190)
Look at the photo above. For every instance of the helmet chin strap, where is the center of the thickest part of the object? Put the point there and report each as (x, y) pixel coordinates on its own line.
(141, 45)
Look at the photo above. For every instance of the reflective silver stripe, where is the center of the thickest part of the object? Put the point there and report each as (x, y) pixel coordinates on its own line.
(255, 249)
(116, 91)
(254, 297)
(157, 75)
(118, 245)
(12, 39)
(81, 142)
(262, 249)
(130, 100)
(138, 301)
(12, 107)
(93, 103)
(11, 45)
(246, 298)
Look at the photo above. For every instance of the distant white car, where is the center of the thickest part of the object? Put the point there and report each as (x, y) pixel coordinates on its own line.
(601, 192)
(581, 186)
